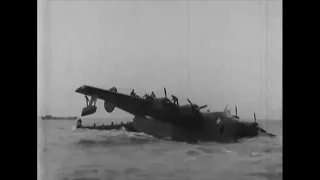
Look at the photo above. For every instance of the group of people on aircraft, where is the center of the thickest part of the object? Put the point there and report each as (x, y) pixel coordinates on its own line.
(146, 96)
(153, 96)
(79, 123)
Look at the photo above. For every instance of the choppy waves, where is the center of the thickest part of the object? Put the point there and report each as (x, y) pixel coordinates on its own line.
(93, 154)
(114, 137)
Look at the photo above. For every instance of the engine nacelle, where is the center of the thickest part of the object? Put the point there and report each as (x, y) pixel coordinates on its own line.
(109, 107)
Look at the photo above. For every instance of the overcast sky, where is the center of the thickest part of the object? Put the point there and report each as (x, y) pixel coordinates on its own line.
(144, 45)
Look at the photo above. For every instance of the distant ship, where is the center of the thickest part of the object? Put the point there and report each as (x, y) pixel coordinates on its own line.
(50, 117)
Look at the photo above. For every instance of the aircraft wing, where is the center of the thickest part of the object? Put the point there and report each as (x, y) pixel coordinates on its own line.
(130, 104)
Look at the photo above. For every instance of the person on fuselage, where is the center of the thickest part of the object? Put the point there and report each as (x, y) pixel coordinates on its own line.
(175, 100)
(153, 95)
(111, 123)
(145, 96)
(133, 93)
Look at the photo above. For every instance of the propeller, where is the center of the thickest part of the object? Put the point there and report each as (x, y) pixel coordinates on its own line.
(196, 106)
(204, 106)
(236, 116)
(189, 102)
(165, 92)
(225, 108)
(255, 120)
(236, 110)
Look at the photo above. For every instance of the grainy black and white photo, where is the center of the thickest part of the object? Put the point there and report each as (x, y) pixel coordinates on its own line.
(159, 90)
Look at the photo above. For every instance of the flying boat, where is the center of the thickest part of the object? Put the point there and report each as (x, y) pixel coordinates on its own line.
(162, 118)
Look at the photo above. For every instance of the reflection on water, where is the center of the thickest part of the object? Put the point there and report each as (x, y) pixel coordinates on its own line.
(68, 154)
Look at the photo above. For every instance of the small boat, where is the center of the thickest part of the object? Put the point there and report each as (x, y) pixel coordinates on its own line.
(128, 126)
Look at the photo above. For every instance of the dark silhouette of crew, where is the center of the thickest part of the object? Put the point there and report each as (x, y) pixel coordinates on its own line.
(111, 123)
(150, 97)
(175, 100)
(153, 95)
(133, 93)
(79, 122)
(94, 124)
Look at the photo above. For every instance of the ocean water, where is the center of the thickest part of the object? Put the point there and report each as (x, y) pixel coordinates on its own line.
(65, 153)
